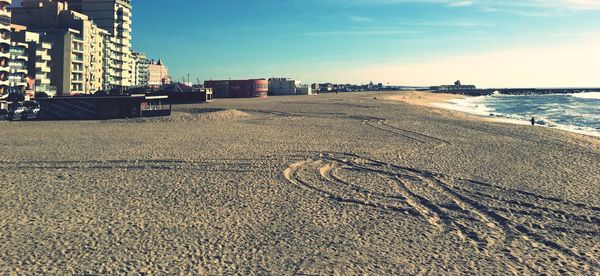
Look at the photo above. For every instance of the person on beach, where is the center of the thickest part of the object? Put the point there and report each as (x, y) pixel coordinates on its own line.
(533, 121)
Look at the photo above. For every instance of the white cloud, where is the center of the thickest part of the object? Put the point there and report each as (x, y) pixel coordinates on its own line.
(495, 5)
(461, 4)
(361, 32)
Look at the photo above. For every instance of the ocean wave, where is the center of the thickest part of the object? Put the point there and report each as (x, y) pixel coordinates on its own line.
(587, 95)
(473, 105)
(549, 111)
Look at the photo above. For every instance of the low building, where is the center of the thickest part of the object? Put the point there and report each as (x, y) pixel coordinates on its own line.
(238, 88)
(103, 108)
(325, 87)
(315, 87)
(180, 93)
(282, 86)
(304, 89)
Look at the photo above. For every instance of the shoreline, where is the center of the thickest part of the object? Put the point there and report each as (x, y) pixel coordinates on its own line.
(443, 101)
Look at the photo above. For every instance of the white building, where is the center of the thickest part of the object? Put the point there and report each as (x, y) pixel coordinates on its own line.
(39, 63)
(140, 69)
(282, 86)
(304, 89)
(17, 67)
(285, 86)
(5, 20)
(113, 16)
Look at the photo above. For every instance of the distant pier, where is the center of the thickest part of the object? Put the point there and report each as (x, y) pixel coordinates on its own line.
(520, 91)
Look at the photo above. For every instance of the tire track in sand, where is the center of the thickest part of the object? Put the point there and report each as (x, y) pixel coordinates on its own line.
(481, 217)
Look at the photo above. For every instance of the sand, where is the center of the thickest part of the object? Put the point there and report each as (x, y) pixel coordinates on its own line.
(331, 184)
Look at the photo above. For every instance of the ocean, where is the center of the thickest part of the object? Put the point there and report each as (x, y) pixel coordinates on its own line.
(572, 112)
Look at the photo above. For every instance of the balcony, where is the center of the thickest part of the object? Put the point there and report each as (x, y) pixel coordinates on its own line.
(4, 12)
(18, 69)
(43, 56)
(5, 20)
(77, 38)
(20, 58)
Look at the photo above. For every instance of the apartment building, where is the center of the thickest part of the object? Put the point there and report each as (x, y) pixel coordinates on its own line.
(140, 71)
(39, 59)
(17, 67)
(5, 20)
(113, 16)
(78, 50)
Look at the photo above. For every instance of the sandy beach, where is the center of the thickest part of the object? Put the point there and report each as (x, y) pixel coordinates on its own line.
(360, 183)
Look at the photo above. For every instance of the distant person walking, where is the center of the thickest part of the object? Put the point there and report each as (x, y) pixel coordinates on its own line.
(533, 121)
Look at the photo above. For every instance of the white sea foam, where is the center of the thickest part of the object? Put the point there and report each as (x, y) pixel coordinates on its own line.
(477, 106)
(472, 105)
(587, 95)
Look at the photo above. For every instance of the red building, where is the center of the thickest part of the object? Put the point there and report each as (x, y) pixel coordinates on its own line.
(238, 88)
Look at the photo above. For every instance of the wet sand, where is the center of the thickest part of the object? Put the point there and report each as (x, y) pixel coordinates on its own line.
(328, 184)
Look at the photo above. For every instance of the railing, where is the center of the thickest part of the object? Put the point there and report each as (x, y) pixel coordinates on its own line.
(5, 20)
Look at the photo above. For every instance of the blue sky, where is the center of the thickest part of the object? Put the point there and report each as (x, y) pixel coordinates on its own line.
(553, 42)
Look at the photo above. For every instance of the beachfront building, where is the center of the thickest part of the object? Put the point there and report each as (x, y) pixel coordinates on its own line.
(5, 20)
(140, 69)
(238, 88)
(17, 67)
(282, 86)
(325, 87)
(77, 44)
(158, 74)
(304, 89)
(285, 86)
(39, 59)
(114, 16)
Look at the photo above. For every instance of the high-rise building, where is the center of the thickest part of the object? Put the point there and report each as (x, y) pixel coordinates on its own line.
(17, 64)
(5, 20)
(39, 58)
(140, 69)
(78, 44)
(113, 16)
